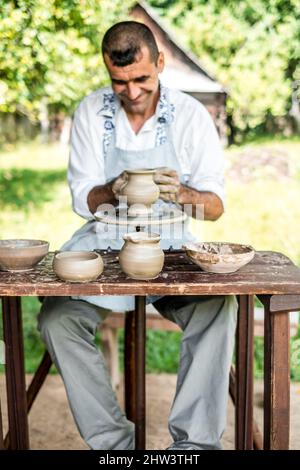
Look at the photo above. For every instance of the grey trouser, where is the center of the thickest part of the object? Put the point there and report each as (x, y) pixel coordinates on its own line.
(198, 413)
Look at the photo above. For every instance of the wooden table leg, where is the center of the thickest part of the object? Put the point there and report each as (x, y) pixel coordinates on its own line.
(2, 446)
(35, 386)
(140, 371)
(276, 379)
(15, 373)
(135, 369)
(257, 436)
(129, 366)
(38, 379)
(244, 374)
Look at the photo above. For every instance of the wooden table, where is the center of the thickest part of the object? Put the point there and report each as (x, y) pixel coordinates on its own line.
(270, 276)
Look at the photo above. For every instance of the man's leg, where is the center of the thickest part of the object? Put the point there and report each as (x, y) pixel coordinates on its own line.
(68, 329)
(198, 415)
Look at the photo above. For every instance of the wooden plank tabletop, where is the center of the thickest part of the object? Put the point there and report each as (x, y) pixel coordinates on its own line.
(268, 273)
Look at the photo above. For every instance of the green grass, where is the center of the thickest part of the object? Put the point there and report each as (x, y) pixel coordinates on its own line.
(36, 203)
(162, 350)
(35, 199)
(264, 214)
(34, 347)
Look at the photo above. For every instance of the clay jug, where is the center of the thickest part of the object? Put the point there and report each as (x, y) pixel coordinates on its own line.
(141, 191)
(141, 256)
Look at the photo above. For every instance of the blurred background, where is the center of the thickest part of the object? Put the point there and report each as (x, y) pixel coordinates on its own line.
(239, 58)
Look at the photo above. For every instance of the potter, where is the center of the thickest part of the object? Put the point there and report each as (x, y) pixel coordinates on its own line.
(139, 123)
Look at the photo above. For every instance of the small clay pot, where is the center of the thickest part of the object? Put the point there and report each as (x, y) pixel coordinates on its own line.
(141, 191)
(78, 266)
(141, 256)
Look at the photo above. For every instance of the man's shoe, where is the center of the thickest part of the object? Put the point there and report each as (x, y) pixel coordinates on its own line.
(182, 446)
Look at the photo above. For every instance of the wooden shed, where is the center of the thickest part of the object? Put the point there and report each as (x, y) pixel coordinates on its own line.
(183, 70)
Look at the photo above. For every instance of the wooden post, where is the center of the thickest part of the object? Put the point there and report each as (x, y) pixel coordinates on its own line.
(38, 379)
(15, 373)
(2, 446)
(276, 379)
(244, 374)
(129, 366)
(140, 371)
(135, 369)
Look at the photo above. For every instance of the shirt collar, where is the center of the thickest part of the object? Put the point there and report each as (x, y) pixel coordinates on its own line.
(111, 104)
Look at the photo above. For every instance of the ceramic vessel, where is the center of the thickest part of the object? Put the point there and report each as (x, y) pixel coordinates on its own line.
(141, 256)
(141, 191)
(20, 255)
(217, 257)
(78, 266)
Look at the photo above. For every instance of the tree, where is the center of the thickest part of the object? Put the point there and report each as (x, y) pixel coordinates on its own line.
(50, 50)
(252, 46)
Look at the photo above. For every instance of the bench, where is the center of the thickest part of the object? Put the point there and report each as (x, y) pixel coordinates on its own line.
(114, 321)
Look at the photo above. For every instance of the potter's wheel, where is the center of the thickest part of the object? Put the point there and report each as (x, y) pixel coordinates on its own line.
(160, 215)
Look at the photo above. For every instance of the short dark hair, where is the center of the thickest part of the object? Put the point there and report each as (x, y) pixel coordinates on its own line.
(123, 41)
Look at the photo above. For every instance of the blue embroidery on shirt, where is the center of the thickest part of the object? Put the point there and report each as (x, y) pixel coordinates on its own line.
(109, 106)
(109, 103)
(166, 117)
(166, 112)
(108, 125)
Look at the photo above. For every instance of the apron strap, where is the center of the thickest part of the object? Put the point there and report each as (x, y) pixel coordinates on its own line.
(163, 129)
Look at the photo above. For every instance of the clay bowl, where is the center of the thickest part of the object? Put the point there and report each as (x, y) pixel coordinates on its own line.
(78, 266)
(18, 255)
(216, 257)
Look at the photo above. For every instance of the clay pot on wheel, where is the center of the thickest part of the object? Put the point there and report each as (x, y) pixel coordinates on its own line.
(141, 256)
(141, 192)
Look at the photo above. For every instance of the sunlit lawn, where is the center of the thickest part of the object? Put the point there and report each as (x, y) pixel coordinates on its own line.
(265, 212)
(35, 203)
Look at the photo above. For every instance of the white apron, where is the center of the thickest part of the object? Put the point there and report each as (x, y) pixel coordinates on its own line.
(98, 235)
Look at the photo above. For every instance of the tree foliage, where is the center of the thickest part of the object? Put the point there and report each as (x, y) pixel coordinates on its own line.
(252, 46)
(50, 50)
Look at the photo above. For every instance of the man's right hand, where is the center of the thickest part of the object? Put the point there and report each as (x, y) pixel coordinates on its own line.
(168, 182)
(118, 184)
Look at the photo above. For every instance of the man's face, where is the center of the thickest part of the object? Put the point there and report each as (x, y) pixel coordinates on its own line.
(136, 84)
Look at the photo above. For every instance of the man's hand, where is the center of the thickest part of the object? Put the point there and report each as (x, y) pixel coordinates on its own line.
(108, 193)
(168, 183)
(118, 184)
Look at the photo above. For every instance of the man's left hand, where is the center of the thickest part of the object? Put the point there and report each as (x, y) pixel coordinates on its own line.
(168, 182)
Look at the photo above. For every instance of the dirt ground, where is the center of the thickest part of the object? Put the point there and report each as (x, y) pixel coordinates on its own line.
(52, 426)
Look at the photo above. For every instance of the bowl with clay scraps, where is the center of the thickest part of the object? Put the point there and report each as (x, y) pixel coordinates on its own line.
(217, 257)
(19, 255)
(78, 266)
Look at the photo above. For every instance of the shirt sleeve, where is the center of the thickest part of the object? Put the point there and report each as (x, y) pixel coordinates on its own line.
(86, 165)
(206, 155)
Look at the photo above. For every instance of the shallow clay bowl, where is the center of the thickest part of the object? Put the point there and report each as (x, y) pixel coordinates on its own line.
(216, 257)
(78, 266)
(18, 255)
